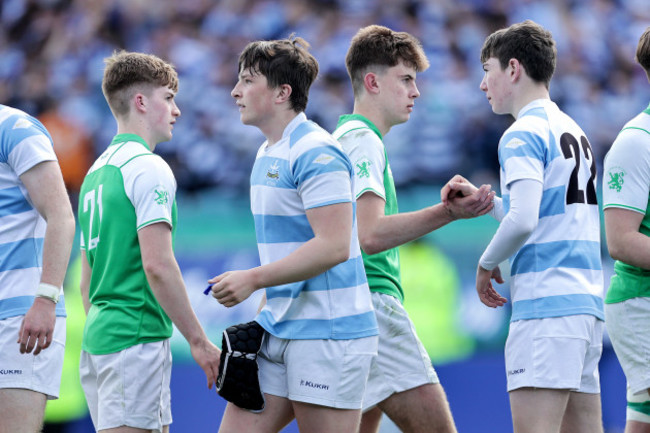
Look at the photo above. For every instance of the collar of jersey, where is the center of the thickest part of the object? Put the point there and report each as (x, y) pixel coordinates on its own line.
(347, 117)
(647, 110)
(123, 138)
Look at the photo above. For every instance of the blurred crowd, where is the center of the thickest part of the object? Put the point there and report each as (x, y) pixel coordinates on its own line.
(52, 51)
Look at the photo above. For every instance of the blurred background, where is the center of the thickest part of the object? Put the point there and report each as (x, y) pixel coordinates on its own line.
(51, 65)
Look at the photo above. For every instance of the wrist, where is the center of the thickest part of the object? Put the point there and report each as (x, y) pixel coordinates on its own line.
(48, 291)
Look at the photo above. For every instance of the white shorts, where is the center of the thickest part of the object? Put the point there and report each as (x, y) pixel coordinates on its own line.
(555, 353)
(40, 373)
(330, 373)
(628, 325)
(130, 387)
(402, 363)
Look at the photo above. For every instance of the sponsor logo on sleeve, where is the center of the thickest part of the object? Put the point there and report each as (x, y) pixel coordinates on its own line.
(515, 143)
(22, 123)
(324, 159)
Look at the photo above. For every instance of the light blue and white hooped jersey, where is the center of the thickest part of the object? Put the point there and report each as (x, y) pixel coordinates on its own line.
(558, 271)
(307, 169)
(24, 143)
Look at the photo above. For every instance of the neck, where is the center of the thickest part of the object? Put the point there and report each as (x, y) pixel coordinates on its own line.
(534, 92)
(371, 111)
(137, 127)
(274, 127)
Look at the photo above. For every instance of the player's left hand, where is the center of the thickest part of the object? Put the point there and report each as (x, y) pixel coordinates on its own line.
(37, 328)
(486, 292)
(232, 287)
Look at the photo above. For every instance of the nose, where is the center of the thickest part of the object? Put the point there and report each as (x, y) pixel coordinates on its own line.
(235, 91)
(176, 112)
(415, 92)
(483, 85)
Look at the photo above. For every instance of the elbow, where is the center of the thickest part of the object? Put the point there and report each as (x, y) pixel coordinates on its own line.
(341, 255)
(615, 251)
(370, 245)
(154, 270)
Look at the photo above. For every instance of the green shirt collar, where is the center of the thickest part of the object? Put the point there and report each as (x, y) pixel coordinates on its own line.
(123, 138)
(347, 117)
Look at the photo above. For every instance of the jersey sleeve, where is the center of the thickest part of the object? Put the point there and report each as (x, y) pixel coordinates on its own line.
(366, 152)
(522, 156)
(28, 147)
(151, 187)
(626, 179)
(322, 174)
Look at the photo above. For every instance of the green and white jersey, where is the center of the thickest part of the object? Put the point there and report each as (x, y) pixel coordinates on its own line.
(364, 145)
(126, 189)
(626, 185)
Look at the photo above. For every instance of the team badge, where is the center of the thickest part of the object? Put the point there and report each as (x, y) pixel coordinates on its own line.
(363, 167)
(273, 174)
(616, 178)
(161, 196)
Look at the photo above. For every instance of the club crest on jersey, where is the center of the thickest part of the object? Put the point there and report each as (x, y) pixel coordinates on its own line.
(161, 196)
(363, 167)
(273, 174)
(616, 178)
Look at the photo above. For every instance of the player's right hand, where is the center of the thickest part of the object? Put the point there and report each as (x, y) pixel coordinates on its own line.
(486, 292)
(37, 328)
(207, 355)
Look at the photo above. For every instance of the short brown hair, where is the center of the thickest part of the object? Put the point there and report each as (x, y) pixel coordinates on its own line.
(283, 61)
(380, 46)
(527, 42)
(126, 70)
(643, 51)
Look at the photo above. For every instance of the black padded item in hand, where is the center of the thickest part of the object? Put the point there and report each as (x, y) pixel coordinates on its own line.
(238, 381)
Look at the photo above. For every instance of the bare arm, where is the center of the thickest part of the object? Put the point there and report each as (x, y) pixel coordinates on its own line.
(45, 186)
(84, 284)
(624, 241)
(164, 277)
(332, 227)
(379, 232)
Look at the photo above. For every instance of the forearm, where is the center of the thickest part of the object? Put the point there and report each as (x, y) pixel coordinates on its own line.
(57, 246)
(391, 231)
(167, 285)
(309, 260)
(632, 248)
(517, 225)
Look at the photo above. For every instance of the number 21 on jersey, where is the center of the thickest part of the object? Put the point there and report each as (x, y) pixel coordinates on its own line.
(93, 204)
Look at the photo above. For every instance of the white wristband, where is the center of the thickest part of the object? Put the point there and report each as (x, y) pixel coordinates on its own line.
(48, 291)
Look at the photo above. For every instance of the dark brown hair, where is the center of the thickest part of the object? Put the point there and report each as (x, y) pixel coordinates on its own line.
(528, 42)
(379, 46)
(283, 61)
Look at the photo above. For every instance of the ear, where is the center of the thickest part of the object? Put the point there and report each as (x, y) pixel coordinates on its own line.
(515, 70)
(140, 102)
(283, 93)
(370, 83)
